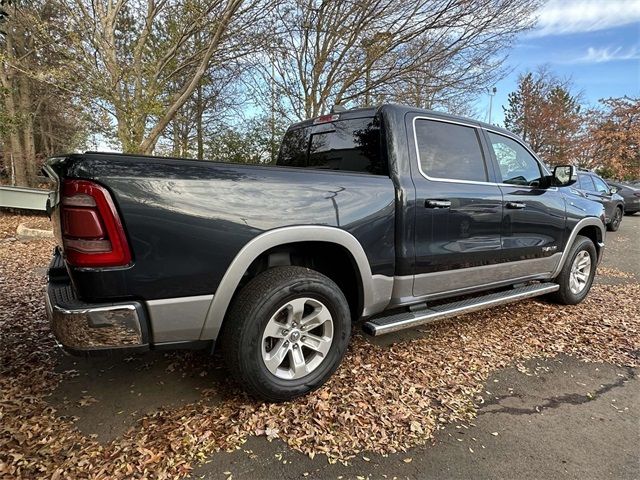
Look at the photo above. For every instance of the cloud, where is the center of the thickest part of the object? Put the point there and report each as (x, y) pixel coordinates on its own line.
(607, 54)
(561, 17)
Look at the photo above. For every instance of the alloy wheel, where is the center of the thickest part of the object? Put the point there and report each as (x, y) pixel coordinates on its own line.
(297, 338)
(580, 271)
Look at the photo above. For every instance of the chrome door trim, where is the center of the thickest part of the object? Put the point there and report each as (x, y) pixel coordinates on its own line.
(456, 282)
(440, 179)
(411, 300)
(478, 127)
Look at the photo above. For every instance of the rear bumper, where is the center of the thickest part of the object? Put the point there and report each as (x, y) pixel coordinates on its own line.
(82, 327)
(632, 205)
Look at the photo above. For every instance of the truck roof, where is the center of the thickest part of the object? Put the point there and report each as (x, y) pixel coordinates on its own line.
(402, 109)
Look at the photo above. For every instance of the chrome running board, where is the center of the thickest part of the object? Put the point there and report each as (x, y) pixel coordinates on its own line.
(400, 321)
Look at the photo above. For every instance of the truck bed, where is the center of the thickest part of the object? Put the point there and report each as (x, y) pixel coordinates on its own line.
(187, 219)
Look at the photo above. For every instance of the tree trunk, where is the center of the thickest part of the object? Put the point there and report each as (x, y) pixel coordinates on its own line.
(29, 152)
(47, 135)
(14, 152)
(199, 130)
(185, 139)
(175, 151)
(131, 132)
(148, 144)
(28, 140)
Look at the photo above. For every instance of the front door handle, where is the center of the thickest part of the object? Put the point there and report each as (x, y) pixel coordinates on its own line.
(437, 203)
(516, 205)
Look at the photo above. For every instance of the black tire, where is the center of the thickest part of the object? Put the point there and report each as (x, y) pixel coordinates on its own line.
(253, 308)
(614, 224)
(565, 296)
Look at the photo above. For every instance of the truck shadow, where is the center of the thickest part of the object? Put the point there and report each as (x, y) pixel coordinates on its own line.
(105, 396)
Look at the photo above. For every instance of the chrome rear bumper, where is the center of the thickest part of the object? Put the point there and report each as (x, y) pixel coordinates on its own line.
(82, 327)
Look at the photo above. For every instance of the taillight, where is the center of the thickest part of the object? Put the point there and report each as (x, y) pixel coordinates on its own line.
(92, 233)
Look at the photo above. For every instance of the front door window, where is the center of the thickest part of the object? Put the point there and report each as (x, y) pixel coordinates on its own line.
(517, 166)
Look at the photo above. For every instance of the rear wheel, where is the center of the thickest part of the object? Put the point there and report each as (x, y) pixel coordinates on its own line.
(286, 333)
(576, 277)
(614, 224)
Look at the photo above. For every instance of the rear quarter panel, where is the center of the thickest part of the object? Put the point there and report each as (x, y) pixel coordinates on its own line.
(186, 220)
(577, 208)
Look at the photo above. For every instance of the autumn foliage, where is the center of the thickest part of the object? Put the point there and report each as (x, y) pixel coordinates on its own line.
(545, 113)
(611, 142)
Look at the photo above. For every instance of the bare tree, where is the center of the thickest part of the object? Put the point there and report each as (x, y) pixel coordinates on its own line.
(326, 52)
(38, 117)
(218, 100)
(144, 59)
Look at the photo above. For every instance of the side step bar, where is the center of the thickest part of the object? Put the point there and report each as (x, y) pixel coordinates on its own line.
(400, 321)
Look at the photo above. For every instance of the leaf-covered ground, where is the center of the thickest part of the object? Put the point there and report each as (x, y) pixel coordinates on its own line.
(383, 399)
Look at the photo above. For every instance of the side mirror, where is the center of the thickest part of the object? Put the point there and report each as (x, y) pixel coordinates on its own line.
(565, 175)
(614, 190)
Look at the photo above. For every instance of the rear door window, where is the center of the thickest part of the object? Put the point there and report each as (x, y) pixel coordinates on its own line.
(346, 145)
(448, 151)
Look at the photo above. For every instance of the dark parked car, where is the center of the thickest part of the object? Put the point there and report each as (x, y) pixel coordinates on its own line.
(369, 213)
(630, 195)
(595, 188)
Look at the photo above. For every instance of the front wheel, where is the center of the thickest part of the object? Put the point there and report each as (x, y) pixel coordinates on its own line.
(614, 224)
(286, 333)
(576, 277)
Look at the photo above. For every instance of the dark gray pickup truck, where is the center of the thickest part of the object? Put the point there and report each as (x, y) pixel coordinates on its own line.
(375, 214)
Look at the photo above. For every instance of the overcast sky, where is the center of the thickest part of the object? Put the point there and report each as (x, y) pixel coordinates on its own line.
(595, 42)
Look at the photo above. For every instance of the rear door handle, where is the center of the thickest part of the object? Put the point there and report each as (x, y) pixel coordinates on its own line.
(437, 203)
(517, 205)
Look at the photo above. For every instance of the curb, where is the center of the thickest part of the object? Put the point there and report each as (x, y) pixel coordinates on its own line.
(28, 233)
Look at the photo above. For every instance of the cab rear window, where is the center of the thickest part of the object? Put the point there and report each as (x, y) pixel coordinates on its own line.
(345, 145)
